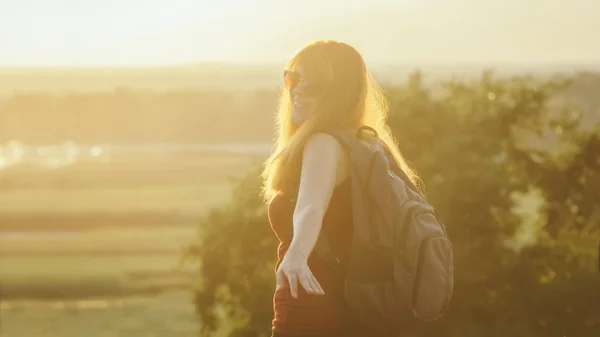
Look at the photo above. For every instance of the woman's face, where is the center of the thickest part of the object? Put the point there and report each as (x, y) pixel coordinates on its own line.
(305, 93)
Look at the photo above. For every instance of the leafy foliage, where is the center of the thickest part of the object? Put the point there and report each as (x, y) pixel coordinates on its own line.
(236, 253)
(514, 175)
(479, 147)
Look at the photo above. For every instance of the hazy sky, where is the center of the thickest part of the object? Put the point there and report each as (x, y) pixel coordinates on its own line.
(136, 32)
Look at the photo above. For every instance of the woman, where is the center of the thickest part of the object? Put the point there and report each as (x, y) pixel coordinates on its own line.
(327, 87)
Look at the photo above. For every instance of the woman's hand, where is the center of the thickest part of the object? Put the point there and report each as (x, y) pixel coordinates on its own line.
(294, 269)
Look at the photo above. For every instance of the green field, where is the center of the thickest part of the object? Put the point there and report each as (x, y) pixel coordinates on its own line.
(109, 240)
(169, 315)
(95, 249)
(184, 197)
(94, 263)
(107, 282)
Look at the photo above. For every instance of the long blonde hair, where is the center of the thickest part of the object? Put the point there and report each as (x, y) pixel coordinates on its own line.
(353, 99)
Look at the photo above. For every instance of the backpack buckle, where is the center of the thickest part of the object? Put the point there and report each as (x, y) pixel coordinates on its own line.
(366, 128)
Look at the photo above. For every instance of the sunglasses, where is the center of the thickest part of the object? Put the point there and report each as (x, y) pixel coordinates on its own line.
(292, 81)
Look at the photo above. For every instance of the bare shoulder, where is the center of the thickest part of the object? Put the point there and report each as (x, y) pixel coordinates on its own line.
(323, 142)
(323, 150)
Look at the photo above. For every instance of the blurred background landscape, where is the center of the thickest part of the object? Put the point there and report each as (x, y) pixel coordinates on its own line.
(132, 134)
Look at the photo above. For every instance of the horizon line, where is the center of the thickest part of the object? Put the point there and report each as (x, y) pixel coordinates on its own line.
(211, 63)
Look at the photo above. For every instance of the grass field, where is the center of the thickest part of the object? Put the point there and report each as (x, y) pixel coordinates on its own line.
(177, 197)
(99, 236)
(105, 282)
(132, 190)
(112, 240)
(165, 315)
(95, 249)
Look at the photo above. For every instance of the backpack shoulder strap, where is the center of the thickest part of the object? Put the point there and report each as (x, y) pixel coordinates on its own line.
(348, 140)
(400, 172)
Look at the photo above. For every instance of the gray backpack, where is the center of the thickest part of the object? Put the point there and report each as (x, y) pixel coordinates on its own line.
(400, 270)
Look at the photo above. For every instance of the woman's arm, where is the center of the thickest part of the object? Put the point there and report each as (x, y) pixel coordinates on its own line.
(317, 182)
(319, 176)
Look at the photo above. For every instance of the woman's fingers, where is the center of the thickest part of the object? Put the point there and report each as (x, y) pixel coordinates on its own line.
(307, 283)
(280, 279)
(293, 280)
(316, 285)
(310, 283)
(302, 276)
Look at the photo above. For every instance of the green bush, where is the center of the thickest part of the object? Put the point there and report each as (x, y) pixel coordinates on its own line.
(236, 253)
(513, 174)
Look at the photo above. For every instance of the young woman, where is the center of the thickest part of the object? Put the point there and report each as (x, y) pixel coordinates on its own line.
(327, 87)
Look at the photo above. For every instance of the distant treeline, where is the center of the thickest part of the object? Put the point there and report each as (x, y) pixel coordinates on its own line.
(126, 115)
(131, 116)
